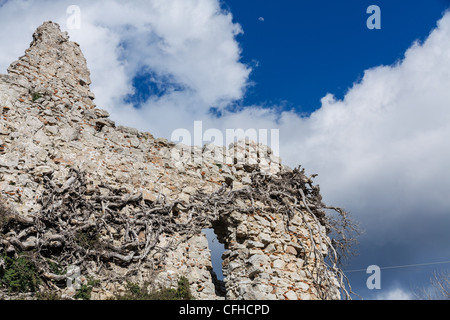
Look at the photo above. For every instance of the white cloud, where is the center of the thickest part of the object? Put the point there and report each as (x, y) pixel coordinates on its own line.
(395, 294)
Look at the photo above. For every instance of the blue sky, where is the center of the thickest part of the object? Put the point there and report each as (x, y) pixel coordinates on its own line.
(367, 110)
(306, 49)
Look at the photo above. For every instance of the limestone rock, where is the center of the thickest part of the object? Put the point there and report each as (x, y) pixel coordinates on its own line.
(50, 124)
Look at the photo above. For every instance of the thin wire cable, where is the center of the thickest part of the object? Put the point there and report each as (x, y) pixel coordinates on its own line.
(401, 266)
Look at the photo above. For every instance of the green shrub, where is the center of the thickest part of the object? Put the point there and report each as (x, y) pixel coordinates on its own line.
(56, 268)
(47, 295)
(84, 293)
(184, 290)
(136, 292)
(19, 275)
(36, 96)
(88, 239)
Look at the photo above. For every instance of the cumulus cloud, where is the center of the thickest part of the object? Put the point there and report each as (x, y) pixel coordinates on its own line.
(395, 294)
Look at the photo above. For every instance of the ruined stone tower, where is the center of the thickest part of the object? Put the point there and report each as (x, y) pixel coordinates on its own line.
(66, 168)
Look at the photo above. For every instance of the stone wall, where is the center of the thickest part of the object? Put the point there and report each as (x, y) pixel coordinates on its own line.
(49, 124)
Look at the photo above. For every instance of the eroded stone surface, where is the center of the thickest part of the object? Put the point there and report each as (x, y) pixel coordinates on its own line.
(50, 123)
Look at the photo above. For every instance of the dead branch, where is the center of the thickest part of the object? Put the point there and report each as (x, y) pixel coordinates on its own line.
(81, 228)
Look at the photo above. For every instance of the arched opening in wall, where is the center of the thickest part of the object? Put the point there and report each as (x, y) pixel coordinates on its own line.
(217, 250)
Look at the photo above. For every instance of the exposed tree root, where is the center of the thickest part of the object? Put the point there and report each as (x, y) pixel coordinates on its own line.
(80, 226)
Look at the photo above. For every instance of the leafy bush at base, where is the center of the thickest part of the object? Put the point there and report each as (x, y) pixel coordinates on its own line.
(84, 293)
(19, 274)
(136, 292)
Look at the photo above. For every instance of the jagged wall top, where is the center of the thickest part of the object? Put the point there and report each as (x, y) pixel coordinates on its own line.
(53, 61)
